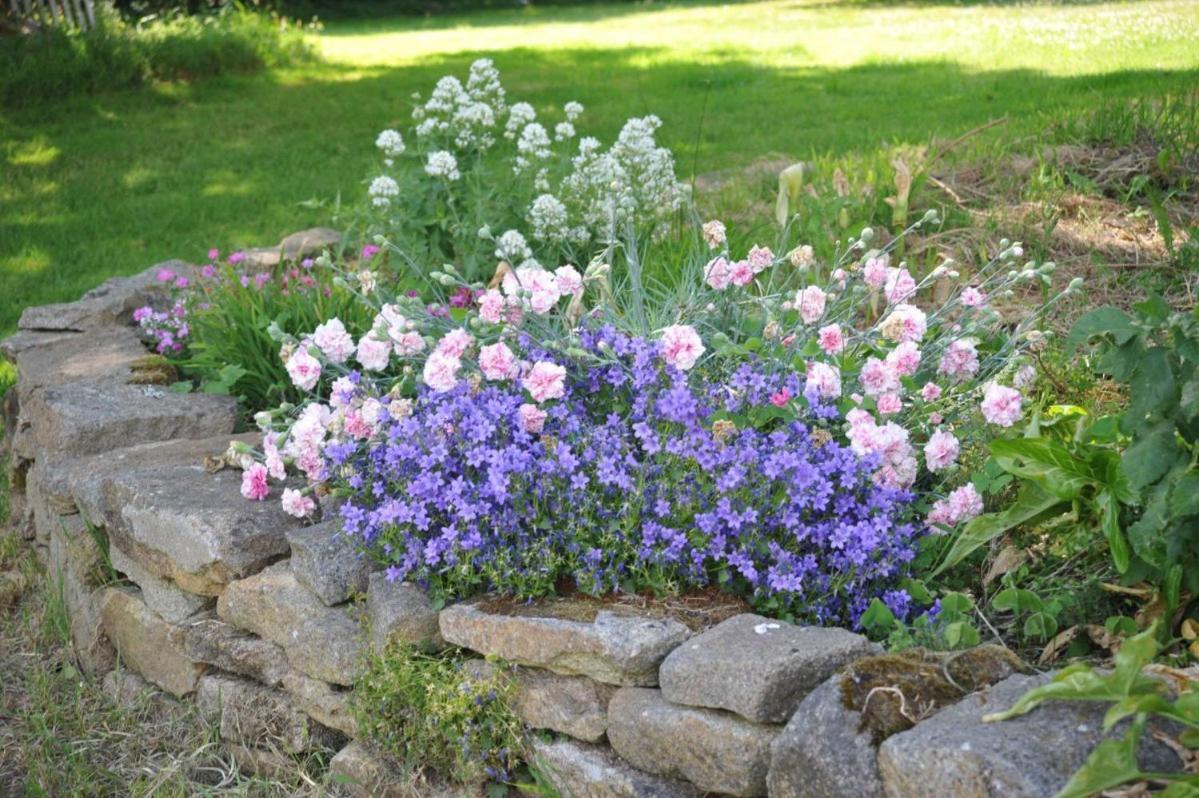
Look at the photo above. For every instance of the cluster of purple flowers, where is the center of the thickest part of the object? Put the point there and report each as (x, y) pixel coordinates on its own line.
(166, 329)
(641, 477)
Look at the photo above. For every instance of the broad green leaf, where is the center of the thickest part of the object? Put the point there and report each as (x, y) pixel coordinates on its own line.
(1153, 309)
(1048, 463)
(1076, 682)
(1188, 400)
(1152, 387)
(1102, 321)
(956, 602)
(1016, 599)
(1032, 504)
(1112, 763)
(1150, 456)
(1184, 498)
(1121, 361)
(1134, 654)
(1109, 517)
(877, 618)
(1041, 625)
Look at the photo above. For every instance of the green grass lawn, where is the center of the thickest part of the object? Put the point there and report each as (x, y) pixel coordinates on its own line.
(104, 185)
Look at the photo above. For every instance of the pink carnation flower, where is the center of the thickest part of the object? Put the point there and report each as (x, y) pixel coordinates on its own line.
(497, 362)
(904, 323)
(741, 273)
(959, 506)
(409, 343)
(532, 418)
(297, 504)
(455, 343)
(973, 298)
(960, 360)
(441, 371)
(716, 273)
(931, 392)
(545, 380)
(681, 346)
(253, 483)
(303, 369)
(905, 359)
(875, 272)
(823, 380)
(899, 286)
(941, 451)
(760, 258)
(832, 341)
(889, 404)
(811, 302)
(491, 306)
(373, 353)
(879, 378)
(570, 282)
(334, 342)
(1001, 405)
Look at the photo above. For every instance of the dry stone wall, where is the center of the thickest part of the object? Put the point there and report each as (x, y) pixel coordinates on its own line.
(264, 621)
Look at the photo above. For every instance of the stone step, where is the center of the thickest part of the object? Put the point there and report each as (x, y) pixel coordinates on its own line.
(572, 705)
(147, 643)
(323, 642)
(580, 770)
(614, 648)
(110, 303)
(164, 598)
(757, 667)
(716, 751)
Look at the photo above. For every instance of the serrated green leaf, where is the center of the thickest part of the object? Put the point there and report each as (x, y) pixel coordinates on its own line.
(1150, 456)
(1152, 387)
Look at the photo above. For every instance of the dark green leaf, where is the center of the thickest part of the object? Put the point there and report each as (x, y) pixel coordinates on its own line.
(1184, 498)
(1152, 387)
(1102, 321)
(1150, 456)
(1015, 599)
(1040, 625)
(1109, 517)
(956, 602)
(1045, 462)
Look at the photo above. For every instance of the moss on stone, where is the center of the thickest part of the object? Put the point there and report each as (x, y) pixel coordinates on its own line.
(893, 692)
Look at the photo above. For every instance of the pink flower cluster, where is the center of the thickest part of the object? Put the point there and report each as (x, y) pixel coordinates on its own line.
(959, 506)
(889, 441)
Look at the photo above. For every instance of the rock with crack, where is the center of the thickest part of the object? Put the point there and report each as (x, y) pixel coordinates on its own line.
(614, 648)
(147, 643)
(323, 642)
(260, 717)
(593, 771)
(757, 667)
(222, 645)
(110, 303)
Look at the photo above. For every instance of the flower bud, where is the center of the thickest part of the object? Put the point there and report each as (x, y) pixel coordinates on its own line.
(867, 235)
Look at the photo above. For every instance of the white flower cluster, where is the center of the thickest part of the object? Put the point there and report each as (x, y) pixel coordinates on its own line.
(391, 143)
(442, 164)
(573, 110)
(519, 115)
(464, 115)
(533, 145)
(512, 247)
(549, 219)
(382, 190)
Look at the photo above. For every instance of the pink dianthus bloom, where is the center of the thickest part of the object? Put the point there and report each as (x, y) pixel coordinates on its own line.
(369, 251)
(297, 504)
(165, 275)
(441, 371)
(760, 258)
(874, 273)
(491, 306)
(904, 323)
(931, 392)
(959, 506)
(823, 380)
(570, 282)
(960, 360)
(214, 254)
(373, 353)
(303, 369)
(900, 285)
(905, 359)
(832, 341)
(973, 298)
(334, 342)
(879, 378)
(889, 404)
(455, 343)
(532, 418)
(741, 273)
(253, 483)
(681, 346)
(545, 380)
(811, 302)
(497, 362)
(716, 273)
(1001, 405)
(941, 451)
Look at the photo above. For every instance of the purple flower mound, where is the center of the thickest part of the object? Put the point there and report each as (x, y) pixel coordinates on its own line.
(641, 478)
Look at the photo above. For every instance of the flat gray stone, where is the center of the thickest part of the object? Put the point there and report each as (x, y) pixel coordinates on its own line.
(955, 753)
(326, 562)
(400, 612)
(716, 751)
(259, 717)
(322, 642)
(191, 527)
(309, 242)
(580, 770)
(821, 752)
(168, 601)
(757, 667)
(95, 416)
(327, 704)
(222, 645)
(109, 303)
(146, 643)
(57, 359)
(614, 649)
(573, 705)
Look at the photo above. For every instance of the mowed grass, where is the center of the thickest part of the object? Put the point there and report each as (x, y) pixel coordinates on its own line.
(98, 186)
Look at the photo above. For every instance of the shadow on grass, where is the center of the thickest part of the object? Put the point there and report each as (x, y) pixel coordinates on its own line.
(140, 177)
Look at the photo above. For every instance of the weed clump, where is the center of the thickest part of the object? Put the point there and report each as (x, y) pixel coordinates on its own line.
(894, 691)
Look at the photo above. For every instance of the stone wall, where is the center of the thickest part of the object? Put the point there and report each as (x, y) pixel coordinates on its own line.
(264, 621)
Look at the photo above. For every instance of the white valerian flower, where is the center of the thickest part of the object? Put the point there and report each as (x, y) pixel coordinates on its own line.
(519, 115)
(564, 131)
(391, 143)
(549, 218)
(572, 110)
(382, 190)
(534, 144)
(442, 164)
(512, 247)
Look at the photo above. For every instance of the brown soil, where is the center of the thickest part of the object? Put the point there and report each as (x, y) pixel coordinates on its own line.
(697, 610)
